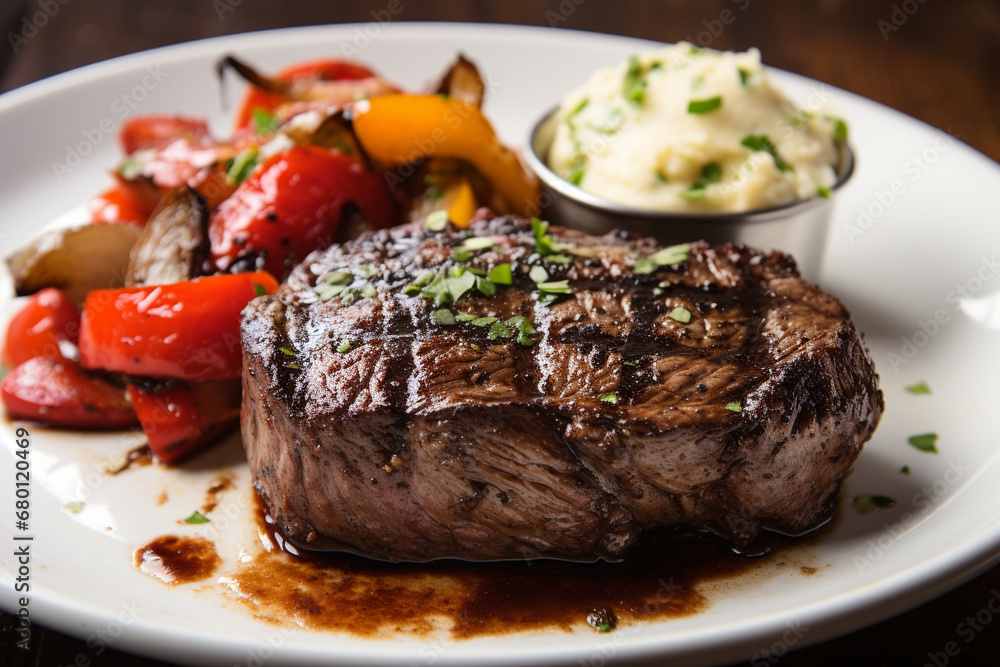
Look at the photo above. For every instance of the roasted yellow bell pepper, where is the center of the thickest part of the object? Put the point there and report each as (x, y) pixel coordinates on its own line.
(401, 129)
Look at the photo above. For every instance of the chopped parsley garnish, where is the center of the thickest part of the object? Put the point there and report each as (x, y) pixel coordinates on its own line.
(661, 176)
(919, 388)
(734, 406)
(865, 504)
(634, 87)
(517, 327)
(437, 221)
(577, 170)
(459, 285)
(681, 314)
(710, 173)
(477, 243)
(524, 329)
(926, 442)
(265, 122)
(761, 142)
(500, 274)
(485, 287)
(538, 274)
(611, 125)
(839, 130)
(345, 346)
(696, 191)
(704, 106)
(823, 191)
(196, 517)
(350, 287)
(554, 287)
(580, 106)
(905, 470)
(544, 245)
(131, 168)
(259, 290)
(668, 256)
(744, 77)
(242, 166)
(443, 316)
(610, 397)
(499, 330)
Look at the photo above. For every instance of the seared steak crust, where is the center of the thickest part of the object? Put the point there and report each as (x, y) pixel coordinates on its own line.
(372, 427)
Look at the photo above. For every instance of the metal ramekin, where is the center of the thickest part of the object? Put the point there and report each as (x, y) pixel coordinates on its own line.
(799, 229)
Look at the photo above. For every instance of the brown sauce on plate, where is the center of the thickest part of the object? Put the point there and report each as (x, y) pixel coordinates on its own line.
(177, 560)
(339, 592)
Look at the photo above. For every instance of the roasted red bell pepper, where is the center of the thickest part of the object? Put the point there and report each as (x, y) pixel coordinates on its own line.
(180, 420)
(60, 393)
(121, 205)
(46, 324)
(157, 130)
(324, 69)
(188, 330)
(292, 205)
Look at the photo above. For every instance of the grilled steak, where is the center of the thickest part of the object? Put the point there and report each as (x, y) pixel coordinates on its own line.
(698, 387)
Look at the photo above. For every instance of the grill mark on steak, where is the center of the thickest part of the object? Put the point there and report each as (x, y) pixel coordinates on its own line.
(427, 441)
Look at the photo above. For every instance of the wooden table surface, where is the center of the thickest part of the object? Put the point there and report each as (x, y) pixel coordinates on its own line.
(935, 60)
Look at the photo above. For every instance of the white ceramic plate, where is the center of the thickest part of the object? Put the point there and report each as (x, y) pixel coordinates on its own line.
(910, 253)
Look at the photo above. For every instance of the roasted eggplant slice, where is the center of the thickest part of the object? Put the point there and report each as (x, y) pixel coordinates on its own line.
(174, 243)
(463, 82)
(76, 260)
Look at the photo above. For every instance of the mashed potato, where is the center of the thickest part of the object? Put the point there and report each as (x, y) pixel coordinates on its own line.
(689, 129)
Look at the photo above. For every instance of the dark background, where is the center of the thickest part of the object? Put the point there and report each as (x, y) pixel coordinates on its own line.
(942, 65)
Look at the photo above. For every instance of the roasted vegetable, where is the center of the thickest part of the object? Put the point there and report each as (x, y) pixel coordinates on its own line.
(157, 130)
(403, 129)
(324, 80)
(181, 419)
(293, 205)
(188, 331)
(74, 260)
(174, 244)
(42, 328)
(126, 202)
(60, 393)
(463, 82)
